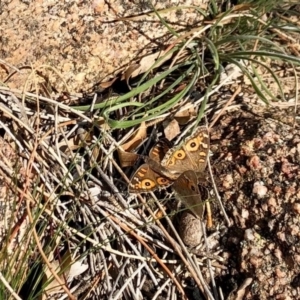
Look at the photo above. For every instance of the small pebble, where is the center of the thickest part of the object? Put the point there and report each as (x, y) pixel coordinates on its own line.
(259, 189)
(190, 229)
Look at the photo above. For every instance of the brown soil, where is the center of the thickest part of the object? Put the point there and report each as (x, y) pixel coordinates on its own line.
(257, 162)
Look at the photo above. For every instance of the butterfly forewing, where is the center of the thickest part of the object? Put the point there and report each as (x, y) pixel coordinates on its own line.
(190, 155)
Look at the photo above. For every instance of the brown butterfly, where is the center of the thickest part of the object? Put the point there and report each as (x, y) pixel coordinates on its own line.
(146, 179)
(165, 165)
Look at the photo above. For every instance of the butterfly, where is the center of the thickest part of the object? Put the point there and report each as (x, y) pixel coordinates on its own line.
(165, 165)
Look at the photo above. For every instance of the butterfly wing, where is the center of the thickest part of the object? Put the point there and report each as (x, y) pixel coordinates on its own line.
(187, 191)
(191, 155)
(159, 150)
(146, 180)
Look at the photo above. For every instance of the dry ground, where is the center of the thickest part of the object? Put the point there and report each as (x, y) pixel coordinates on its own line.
(259, 186)
(255, 163)
(255, 149)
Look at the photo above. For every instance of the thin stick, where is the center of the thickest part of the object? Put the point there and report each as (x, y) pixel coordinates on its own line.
(216, 192)
(209, 215)
(209, 264)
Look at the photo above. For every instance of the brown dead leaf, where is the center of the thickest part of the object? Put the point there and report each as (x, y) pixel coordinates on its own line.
(76, 142)
(171, 129)
(128, 73)
(96, 154)
(148, 61)
(140, 135)
(62, 268)
(69, 145)
(159, 214)
(127, 159)
(186, 113)
(108, 84)
(53, 287)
